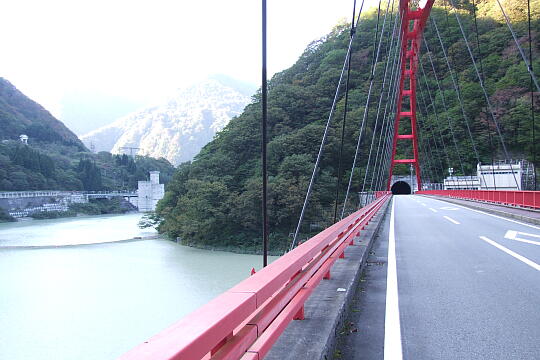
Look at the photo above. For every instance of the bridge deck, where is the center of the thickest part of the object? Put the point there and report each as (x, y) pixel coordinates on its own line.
(467, 287)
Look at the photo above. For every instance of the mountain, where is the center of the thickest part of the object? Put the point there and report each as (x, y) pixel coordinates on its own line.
(21, 115)
(54, 158)
(215, 200)
(178, 128)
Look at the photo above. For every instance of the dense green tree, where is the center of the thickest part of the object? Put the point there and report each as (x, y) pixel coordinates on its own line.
(90, 175)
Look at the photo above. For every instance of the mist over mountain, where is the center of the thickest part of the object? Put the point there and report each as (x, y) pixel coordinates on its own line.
(84, 111)
(181, 126)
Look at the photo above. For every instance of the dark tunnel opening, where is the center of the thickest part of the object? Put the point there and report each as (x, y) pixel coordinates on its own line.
(401, 188)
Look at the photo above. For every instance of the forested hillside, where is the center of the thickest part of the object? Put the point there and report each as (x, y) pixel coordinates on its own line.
(52, 167)
(54, 158)
(215, 200)
(20, 115)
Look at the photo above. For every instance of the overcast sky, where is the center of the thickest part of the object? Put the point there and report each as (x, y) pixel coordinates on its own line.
(144, 49)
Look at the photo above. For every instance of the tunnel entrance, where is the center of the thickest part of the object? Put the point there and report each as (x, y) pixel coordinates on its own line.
(401, 188)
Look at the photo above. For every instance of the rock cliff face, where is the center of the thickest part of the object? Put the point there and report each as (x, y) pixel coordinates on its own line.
(177, 129)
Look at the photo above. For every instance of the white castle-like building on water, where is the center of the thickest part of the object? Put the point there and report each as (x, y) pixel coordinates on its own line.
(150, 192)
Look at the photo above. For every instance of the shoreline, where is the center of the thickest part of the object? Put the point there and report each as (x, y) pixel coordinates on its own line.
(36, 247)
(242, 251)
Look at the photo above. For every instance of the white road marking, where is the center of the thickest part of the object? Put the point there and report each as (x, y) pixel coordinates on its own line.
(513, 235)
(432, 209)
(424, 204)
(392, 326)
(451, 220)
(497, 216)
(511, 253)
(449, 208)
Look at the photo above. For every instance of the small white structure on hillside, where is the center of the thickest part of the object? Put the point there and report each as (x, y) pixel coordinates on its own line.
(24, 139)
(150, 192)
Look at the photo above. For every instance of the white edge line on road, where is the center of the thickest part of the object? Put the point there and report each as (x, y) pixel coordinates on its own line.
(392, 325)
(432, 209)
(511, 253)
(451, 220)
(485, 213)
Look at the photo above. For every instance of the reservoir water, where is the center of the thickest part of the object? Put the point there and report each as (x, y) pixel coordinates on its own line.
(98, 301)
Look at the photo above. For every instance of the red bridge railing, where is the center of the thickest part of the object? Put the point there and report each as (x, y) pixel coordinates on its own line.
(244, 322)
(529, 199)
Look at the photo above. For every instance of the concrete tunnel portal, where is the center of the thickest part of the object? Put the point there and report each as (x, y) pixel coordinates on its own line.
(401, 188)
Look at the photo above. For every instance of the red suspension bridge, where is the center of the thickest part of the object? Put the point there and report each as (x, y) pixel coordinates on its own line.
(459, 283)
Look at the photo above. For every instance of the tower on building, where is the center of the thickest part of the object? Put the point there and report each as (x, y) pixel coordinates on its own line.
(150, 192)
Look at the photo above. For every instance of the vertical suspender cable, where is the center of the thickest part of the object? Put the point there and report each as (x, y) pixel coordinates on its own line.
(264, 92)
(338, 184)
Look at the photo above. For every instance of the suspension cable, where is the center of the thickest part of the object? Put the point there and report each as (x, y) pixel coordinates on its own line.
(480, 62)
(429, 128)
(386, 119)
(338, 182)
(444, 105)
(423, 149)
(323, 141)
(529, 68)
(435, 113)
(455, 82)
(481, 82)
(374, 135)
(366, 109)
(385, 159)
(432, 132)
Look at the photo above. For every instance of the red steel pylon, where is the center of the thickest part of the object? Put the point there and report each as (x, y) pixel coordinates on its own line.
(412, 26)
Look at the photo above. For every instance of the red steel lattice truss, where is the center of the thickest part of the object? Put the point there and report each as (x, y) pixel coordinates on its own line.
(412, 26)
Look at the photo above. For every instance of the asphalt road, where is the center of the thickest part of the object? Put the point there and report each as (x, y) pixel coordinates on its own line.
(455, 283)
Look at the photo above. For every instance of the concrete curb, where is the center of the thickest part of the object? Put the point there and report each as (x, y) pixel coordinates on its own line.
(327, 308)
(473, 205)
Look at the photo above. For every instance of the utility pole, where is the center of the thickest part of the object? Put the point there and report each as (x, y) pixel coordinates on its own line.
(412, 183)
(264, 92)
(130, 149)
